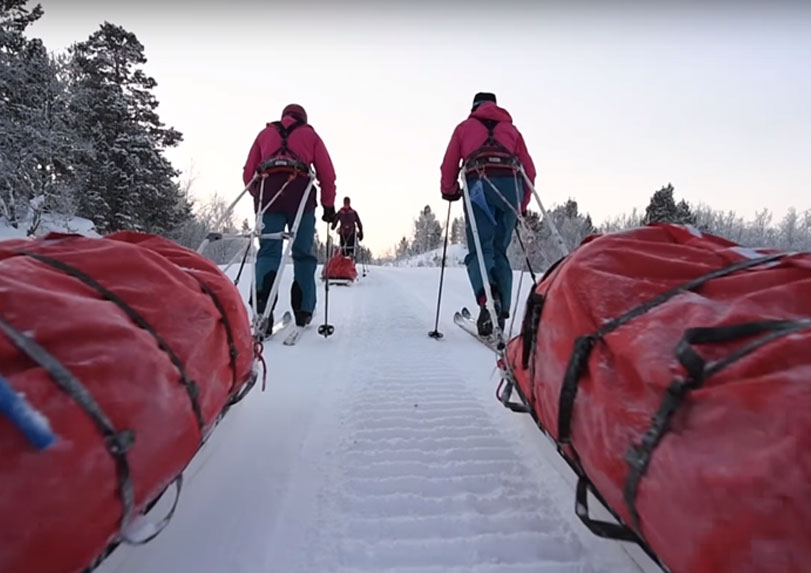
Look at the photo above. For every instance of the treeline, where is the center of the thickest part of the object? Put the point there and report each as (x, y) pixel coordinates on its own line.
(791, 233)
(80, 132)
(427, 234)
(533, 242)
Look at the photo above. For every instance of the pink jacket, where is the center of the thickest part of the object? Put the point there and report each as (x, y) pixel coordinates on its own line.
(349, 219)
(305, 143)
(471, 134)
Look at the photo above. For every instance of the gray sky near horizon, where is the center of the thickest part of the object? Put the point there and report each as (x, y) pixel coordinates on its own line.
(614, 101)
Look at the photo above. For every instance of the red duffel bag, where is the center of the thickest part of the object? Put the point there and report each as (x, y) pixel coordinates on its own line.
(673, 369)
(131, 348)
(340, 267)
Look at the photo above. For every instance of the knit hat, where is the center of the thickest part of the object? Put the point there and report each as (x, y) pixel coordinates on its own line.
(296, 111)
(482, 97)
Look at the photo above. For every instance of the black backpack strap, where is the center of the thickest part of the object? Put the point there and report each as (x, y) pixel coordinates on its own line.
(284, 133)
(490, 124)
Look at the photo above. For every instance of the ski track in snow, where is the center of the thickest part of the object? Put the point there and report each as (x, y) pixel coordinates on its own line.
(378, 449)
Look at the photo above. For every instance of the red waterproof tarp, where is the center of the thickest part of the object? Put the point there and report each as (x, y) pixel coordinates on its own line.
(727, 486)
(60, 507)
(340, 267)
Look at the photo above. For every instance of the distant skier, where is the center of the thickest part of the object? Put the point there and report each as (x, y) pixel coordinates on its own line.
(486, 134)
(292, 138)
(351, 228)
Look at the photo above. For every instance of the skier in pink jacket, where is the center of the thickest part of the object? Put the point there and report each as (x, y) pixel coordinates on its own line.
(291, 138)
(488, 133)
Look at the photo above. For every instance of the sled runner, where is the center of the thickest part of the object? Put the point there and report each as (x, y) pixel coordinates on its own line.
(671, 369)
(128, 350)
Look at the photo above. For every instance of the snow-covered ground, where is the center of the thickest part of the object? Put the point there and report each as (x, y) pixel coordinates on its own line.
(378, 449)
(455, 258)
(51, 222)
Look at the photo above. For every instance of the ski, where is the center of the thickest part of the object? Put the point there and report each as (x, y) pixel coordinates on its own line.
(294, 336)
(287, 320)
(277, 327)
(466, 322)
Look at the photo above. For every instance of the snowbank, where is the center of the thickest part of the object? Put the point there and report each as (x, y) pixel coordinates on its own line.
(50, 223)
(455, 258)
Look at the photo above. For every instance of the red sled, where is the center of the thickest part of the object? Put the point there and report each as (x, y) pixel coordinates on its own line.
(672, 369)
(340, 268)
(129, 349)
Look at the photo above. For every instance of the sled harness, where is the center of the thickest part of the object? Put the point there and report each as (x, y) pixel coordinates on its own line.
(491, 154)
(283, 160)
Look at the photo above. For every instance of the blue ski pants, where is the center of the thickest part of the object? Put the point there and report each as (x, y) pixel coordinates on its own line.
(303, 292)
(495, 221)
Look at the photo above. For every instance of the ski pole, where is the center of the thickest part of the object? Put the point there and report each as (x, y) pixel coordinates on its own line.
(435, 332)
(244, 260)
(326, 329)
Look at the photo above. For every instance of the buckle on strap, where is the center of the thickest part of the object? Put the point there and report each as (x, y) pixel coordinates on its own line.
(489, 160)
(281, 164)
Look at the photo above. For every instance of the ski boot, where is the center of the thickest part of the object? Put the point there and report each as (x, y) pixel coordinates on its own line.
(265, 326)
(484, 323)
(303, 318)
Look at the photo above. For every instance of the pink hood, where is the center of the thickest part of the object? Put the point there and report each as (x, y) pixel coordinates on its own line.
(471, 134)
(306, 144)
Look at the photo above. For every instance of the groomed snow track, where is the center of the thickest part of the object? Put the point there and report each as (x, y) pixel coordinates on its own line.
(378, 449)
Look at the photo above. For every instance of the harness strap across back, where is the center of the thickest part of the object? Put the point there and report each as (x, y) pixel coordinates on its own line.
(284, 133)
(492, 153)
(277, 160)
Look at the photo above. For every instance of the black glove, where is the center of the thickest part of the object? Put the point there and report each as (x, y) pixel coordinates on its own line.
(360, 236)
(453, 195)
(329, 214)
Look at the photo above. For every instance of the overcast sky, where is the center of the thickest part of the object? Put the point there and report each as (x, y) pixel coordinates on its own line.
(614, 102)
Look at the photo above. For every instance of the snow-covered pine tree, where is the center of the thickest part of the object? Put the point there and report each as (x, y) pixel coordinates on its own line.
(126, 182)
(684, 214)
(533, 239)
(663, 208)
(458, 235)
(35, 137)
(402, 249)
(787, 231)
(542, 249)
(364, 255)
(427, 232)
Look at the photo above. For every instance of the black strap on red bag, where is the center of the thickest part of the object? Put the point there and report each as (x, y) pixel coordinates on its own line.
(696, 367)
(698, 371)
(583, 345)
(191, 386)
